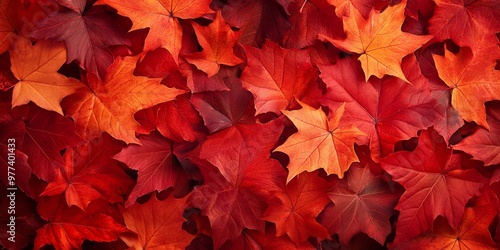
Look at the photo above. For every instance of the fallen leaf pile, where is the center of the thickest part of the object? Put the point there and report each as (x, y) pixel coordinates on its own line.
(250, 124)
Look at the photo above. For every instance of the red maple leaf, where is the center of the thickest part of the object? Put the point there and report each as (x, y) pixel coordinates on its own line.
(67, 227)
(156, 164)
(89, 174)
(294, 208)
(436, 184)
(363, 202)
(87, 31)
(387, 110)
(276, 76)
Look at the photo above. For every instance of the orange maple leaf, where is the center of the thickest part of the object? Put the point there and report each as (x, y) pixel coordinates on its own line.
(217, 41)
(473, 81)
(36, 69)
(319, 142)
(110, 106)
(379, 40)
(161, 17)
(157, 224)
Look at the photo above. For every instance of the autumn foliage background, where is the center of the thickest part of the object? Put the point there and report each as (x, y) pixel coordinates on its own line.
(251, 124)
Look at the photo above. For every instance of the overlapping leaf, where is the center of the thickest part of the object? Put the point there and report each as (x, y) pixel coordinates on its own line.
(110, 105)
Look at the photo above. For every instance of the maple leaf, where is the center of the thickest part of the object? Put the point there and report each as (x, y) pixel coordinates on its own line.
(222, 109)
(484, 145)
(234, 193)
(276, 76)
(387, 110)
(68, 227)
(110, 105)
(319, 143)
(258, 20)
(473, 82)
(310, 18)
(87, 33)
(14, 130)
(232, 206)
(46, 134)
(435, 183)
(217, 41)
(157, 224)
(364, 202)
(162, 19)
(155, 162)
(239, 144)
(448, 121)
(295, 208)
(177, 120)
(89, 173)
(379, 40)
(472, 232)
(17, 19)
(465, 21)
(36, 68)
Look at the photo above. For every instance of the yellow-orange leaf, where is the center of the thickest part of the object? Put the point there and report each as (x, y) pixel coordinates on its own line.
(110, 106)
(36, 69)
(473, 80)
(379, 40)
(319, 142)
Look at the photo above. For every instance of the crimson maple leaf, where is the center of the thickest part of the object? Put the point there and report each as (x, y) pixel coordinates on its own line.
(177, 120)
(67, 227)
(436, 184)
(47, 133)
(387, 110)
(232, 205)
(89, 173)
(276, 76)
(10, 133)
(363, 202)
(87, 32)
(155, 162)
(18, 18)
(294, 208)
(465, 22)
(222, 109)
(234, 193)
